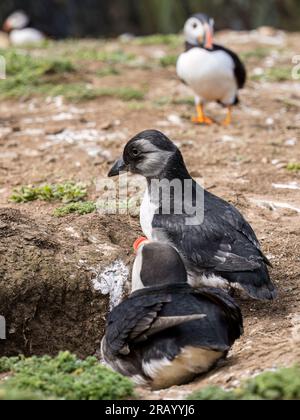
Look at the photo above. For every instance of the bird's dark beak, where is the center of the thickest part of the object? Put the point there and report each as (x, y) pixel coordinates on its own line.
(118, 167)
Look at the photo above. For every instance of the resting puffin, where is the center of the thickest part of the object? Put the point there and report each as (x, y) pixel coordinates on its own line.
(218, 246)
(212, 71)
(167, 333)
(17, 26)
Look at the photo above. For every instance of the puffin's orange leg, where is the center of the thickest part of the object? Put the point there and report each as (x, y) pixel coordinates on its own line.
(228, 120)
(201, 117)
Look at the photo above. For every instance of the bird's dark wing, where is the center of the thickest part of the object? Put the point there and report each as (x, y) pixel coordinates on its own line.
(138, 318)
(231, 310)
(239, 68)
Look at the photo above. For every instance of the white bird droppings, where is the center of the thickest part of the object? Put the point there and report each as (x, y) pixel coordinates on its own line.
(112, 282)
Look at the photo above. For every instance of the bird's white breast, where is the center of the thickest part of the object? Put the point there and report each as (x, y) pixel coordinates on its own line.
(26, 36)
(209, 73)
(147, 212)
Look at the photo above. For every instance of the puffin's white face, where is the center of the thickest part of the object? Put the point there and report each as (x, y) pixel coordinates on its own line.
(197, 32)
(17, 20)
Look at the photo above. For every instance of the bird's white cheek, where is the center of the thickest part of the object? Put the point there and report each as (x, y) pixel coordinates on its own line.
(136, 273)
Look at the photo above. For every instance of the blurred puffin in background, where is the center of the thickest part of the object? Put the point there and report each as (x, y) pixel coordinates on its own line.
(17, 25)
(213, 72)
(167, 333)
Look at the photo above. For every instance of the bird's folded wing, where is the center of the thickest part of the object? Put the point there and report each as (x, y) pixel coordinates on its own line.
(230, 308)
(215, 243)
(138, 318)
(239, 68)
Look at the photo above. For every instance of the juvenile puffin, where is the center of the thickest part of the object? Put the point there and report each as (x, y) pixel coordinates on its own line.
(213, 72)
(218, 245)
(167, 333)
(17, 26)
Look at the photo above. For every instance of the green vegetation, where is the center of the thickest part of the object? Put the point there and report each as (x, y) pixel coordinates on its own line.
(64, 378)
(26, 73)
(275, 74)
(169, 60)
(258, 53)
(293, 167)
(283, 384)
(81, 209)
(108, 71)
(159, 39)
(67, 192)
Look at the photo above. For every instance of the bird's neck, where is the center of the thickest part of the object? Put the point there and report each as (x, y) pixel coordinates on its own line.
(174, 170)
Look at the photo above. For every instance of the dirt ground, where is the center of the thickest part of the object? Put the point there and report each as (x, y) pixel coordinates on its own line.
(245, 164)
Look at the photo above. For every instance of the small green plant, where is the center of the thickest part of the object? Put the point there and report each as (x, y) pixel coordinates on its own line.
(283, 384)
(64, 378)
(67, 192)
(81, 209)
(293, 167)
(168, 60)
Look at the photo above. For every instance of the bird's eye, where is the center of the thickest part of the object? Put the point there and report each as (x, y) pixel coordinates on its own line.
(195, 25)
(135, 152)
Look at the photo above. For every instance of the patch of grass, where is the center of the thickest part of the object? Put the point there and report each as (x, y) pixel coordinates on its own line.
(275, 74)
(96, 54)
(67, 192)
(80, 208)
(258, 53)
(25, 73)
(64, 378)
(283, 384)
(108, 71)
(168, 60)
(159, 39)
(189, 100)
(293, 167)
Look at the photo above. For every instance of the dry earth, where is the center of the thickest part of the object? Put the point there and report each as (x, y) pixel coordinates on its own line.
(47, 141)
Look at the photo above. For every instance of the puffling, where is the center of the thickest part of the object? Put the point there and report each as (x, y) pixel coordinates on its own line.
(17, 26)
(213, 72)
(218, 246)
(167, 333)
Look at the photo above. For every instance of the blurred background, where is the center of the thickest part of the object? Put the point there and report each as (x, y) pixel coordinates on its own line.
(90, 18)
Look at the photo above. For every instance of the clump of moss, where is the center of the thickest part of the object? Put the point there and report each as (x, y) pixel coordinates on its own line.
(168, 60)
(66, 192)
(284, 384)
(64, 378)
(108, 71)
(81, 209)
(293, 167)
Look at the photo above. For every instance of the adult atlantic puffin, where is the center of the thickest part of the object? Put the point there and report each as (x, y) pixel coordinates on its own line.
(167, 333)
(17, 26)
(213, 72)
(218, 246)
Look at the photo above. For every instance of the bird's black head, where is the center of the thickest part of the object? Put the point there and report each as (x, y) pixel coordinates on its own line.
(147, 154)
(199, 30)
(157, 264)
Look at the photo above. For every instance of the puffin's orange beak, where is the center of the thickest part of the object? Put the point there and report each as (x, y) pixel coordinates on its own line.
(139, 242)
(6, 26)
(209, 37)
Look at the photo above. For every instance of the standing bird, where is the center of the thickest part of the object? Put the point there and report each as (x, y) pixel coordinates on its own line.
(167, 333)
(218, 246)
(17, 26)
(213, 72)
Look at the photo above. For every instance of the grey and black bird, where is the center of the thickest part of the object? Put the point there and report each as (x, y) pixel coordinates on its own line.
(167, 333)
(218, 245)
(213, 72)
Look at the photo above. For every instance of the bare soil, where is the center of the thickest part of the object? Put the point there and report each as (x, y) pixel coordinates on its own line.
(245, 164)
